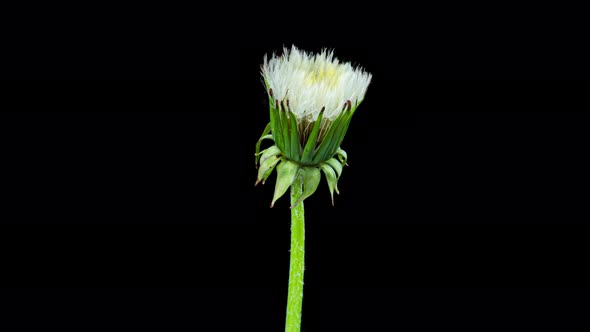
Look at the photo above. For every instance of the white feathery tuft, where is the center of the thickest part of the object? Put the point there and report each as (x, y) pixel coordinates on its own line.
(313, 81)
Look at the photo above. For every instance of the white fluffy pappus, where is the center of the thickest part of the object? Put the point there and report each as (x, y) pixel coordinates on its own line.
(311, 82)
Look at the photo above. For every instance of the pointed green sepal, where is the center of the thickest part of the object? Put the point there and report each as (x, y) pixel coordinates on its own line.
(284, 120)
(275, 124)
(270, 152)
(342, 156)
(311, 180)
(279, 166)
(264, 136)
(268, 173)
(266, 167)
(328, 146)
(286, 174)
(334, 137)
(336, 165)
(344, 129)
(295, 149)
(331, 179)
(312, 140)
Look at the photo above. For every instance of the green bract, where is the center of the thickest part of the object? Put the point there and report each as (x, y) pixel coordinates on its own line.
(303, 147)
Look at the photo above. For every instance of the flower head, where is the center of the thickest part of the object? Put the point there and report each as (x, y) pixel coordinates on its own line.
(312, 98)
(312, 82)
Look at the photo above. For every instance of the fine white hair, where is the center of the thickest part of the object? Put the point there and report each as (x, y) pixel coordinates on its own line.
(311, 82)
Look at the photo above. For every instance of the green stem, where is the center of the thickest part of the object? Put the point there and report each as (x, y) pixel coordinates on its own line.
(296, 268)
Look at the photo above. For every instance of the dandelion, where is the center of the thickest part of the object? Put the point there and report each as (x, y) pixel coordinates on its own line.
(312, 98)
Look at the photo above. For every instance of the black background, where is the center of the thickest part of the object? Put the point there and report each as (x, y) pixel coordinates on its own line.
(130, 204)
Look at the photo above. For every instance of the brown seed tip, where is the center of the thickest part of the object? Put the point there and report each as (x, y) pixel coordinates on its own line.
(323, 109)
(270, 92)
(276, 104)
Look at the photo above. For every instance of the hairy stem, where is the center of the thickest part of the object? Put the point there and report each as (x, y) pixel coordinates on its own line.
(296, 268)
